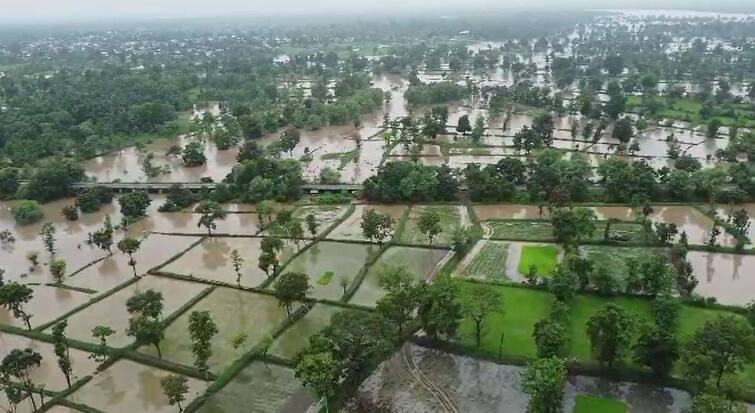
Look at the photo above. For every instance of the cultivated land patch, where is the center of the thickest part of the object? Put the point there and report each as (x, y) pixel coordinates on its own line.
(235, 312)
(350, 228)
(296, 337)
(486, 261)
(521, 308)
(127, 387)
(47, 304)
(344, 260)
(614, 258)
(114, 270)
(325, 216)
(48, 373)
(543, 257)
(420, 262)
(451, 217)
(509, 211)
(593, 404)
(211, 260)
(527, 230)
(111, 311)
(263, 388)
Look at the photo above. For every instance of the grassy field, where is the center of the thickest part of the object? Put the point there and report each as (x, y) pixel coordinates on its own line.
(516, 318)
(688, 110)
(522, 230)
(543, 257)
(450, 218)
(592, 404)
(489, 263)
(614, 258)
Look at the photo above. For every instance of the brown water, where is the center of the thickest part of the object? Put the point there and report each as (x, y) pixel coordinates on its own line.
(127, 387)
(211, 260)
(727, 277)
(48, 373)
(234, 312)
(111, 311)
(725, 211)
(47, 304)
(693, 222)
(509, 211)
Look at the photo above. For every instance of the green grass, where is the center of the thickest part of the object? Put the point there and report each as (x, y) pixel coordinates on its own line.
(687, 109)
(614, 258)
(449, 220)
(522, 230)
(325, 278)
(516, 318)
(489, 263)
(593, 404)
(543, 257)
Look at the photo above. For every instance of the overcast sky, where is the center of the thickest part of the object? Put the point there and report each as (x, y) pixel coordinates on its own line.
(56, 10)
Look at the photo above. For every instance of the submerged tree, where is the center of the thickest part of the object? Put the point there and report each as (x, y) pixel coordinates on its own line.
(211, 213)
(60, 344)
(238, 264)
(376, 227)
(201, 330)
(291, 287)
(13, 297)
(47, 233)
(144, 325)
(130, 246)
(175, 388)
(18, 364)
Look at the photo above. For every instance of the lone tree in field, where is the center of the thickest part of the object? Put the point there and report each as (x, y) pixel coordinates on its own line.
(211, 213)
(58, 269)
(201, 330)
(376, 227)
(429, 223)
(312, 224)
(103, 237)
(610, 332)
(572, 225)
(238, 264)
(270, 246)
(101, 333)
(721, 346)
(13, 297)
(402, 299)
(134, 205)
(60, 345)
(656, 348)
(477, 304)
(130, 246)
(550, 338)
(144, 325)
(544, 382)
(463, 126)
(47, 233)
(320, 373)
(175, 388)
(290, 287)
(18, 364)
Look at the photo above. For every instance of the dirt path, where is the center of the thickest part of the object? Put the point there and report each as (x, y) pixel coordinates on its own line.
(444, 400)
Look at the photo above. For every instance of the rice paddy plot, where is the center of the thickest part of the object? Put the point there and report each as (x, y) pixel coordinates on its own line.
(260, 388)
(114, 270)
(350, 228)
(48, 373)
(422, 263)
(451, 217)
(234, 312)
(211, 260)
(486, 261)
(47, 304)
(127, 387)
(544, 258)
(111, 311)
(520, 230)
(614, 258)
(296, 337)
(325, 216)
(593, 404)
(729, 278)
(343, 259)
(509, 211)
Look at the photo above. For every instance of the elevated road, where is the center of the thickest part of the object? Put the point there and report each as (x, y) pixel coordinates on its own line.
(195, 186)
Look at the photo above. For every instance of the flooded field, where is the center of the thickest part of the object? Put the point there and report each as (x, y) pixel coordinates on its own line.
(211, 260)
(727, 277)
(693, 222)
(451, 218)
(48, 373)
(111, 311)
(235, 312)
(326, 263)
(417, 380)
(126, 387)
(509, 211)
(47, 304)
(275, 390)
(422, 263)
(296, 337)
(350, 229)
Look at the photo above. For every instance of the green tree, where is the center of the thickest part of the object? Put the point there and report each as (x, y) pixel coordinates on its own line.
(18, 364)
(551, 338)
(60, 346)
(238, 264)
(721, 346)
(428, 223)
(27, 212)
(479, 129)
(289, 139)
(439, 308)
(144, 325)
(656, 348)
(13, 297)
(193, 154)
(130, 246)
(477, 304)
(291, 287)
(47, 233)
(58, 269)
(101, 333)
(175, 388)
(211, 213)
(572, 225)
(622, 130)
(134, 204)
(610, 332)
(201, 331)
(320, 374)
(463, 125)
(709, 403)
(544, 382)
(103, 237)
(312, 224)
(402, 298)
(376, 226)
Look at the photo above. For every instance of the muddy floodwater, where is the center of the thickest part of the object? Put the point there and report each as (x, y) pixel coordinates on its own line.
(510, 211)
(47, 304)
(127, 387)
(729, 278)
(418, 380)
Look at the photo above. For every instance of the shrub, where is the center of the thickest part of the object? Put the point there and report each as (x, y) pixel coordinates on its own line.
(27, 212)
